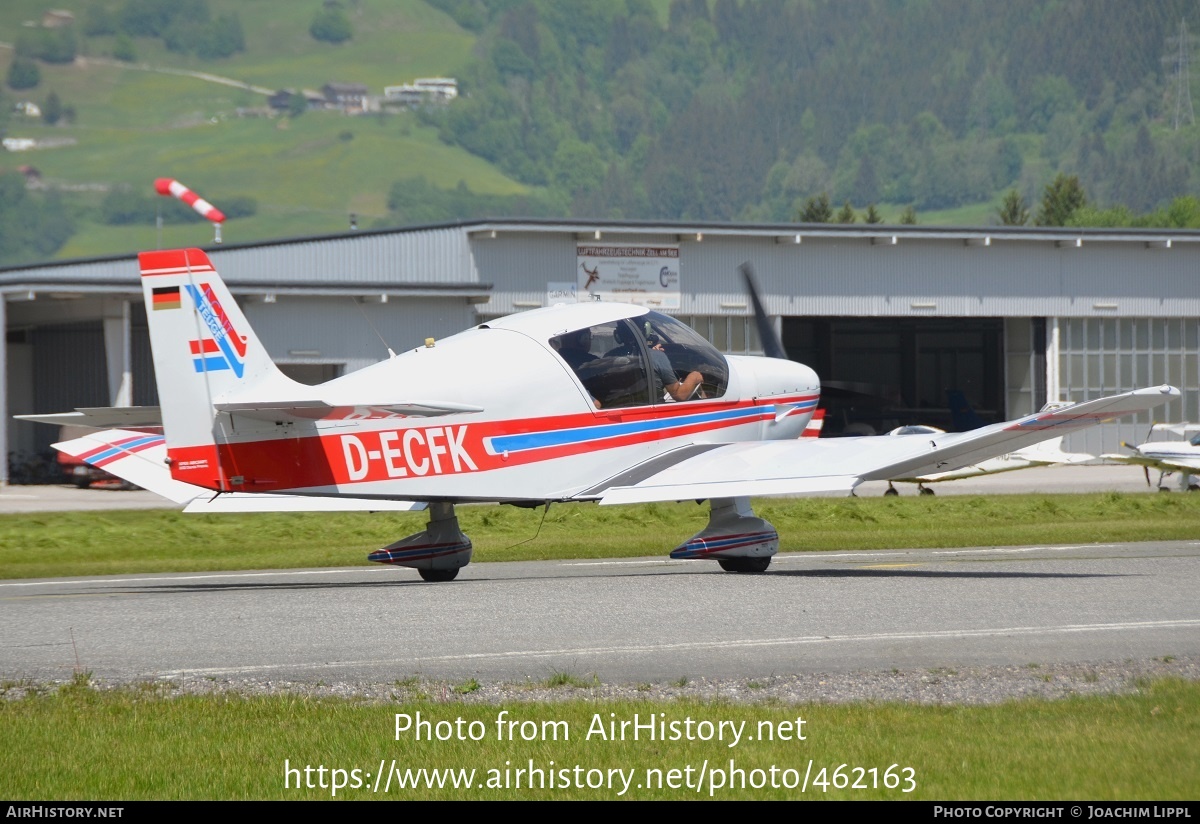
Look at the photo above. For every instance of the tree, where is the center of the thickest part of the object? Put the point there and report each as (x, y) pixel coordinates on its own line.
(1063, 196)
(872, 215)
(578, 167)
(23, 73)
(1013, 211)
(123, 48)
(816, 210)
(846, 213)
(909, 216)
(331, 25)
(297, 105)
(98, 21)
(52, 109)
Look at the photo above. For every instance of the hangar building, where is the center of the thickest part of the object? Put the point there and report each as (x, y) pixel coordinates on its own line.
(893, 318)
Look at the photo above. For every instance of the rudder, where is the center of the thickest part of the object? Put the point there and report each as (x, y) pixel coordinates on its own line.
(204, 352)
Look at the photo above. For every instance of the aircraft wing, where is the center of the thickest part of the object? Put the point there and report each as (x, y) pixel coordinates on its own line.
(839, 464)
(1176, 463)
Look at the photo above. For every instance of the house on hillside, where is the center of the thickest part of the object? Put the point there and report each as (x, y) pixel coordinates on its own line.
(57, 19)
(349, 97)
(422, 90)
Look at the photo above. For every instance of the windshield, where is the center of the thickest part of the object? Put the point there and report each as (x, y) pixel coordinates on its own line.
(650, 359)
(686, 351)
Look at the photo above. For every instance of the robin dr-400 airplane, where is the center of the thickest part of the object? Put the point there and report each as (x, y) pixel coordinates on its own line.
(600, 402)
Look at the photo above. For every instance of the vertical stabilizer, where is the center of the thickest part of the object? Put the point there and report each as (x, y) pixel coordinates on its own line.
(204, 352)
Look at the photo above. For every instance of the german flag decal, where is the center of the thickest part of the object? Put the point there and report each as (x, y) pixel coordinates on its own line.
(166, 297)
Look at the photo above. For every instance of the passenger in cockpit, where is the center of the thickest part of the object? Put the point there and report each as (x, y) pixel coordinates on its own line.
(627, 348)
(575, 348)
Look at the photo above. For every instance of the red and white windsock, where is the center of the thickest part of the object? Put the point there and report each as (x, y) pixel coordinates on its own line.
(167, 186)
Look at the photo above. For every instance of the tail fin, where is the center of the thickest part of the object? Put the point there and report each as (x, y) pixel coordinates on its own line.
(204, 352)
(961, 413)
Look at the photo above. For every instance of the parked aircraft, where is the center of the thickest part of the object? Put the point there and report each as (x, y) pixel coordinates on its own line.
(564, 403)
(1045, 453)
(1167, 457)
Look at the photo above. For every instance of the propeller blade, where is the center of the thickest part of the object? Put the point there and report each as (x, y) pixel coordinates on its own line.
(1146, 469)
(772, 345)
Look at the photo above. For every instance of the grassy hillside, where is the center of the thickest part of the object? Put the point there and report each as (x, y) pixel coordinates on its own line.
(134, 124)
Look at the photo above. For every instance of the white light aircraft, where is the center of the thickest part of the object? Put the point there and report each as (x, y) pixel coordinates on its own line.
(566, 403)
(1167, 457)
(1045, 453)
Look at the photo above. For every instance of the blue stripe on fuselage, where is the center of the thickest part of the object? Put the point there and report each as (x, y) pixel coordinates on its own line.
(561, 437)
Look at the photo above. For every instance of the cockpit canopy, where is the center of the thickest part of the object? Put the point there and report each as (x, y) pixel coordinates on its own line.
(633, 361)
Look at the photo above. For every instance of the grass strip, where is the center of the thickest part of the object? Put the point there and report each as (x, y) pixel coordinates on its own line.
(122, 542)
(145, 743)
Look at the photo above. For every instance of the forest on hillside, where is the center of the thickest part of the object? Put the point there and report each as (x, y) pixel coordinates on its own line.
(731, 110)
(743, 110)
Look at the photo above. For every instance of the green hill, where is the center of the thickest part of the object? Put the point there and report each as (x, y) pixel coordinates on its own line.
(133, 122)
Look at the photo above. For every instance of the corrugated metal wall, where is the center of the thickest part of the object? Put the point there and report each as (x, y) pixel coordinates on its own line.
(833, 272)
(345, 331)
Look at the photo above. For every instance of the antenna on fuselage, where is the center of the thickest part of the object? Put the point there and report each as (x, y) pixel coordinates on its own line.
(359, 303)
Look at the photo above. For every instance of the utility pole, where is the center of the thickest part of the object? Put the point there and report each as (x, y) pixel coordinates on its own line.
(1183, 70)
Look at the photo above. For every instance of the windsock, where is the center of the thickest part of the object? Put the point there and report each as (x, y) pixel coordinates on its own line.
(167, 186)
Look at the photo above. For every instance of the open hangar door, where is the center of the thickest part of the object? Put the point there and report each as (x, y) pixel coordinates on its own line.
(880, 373)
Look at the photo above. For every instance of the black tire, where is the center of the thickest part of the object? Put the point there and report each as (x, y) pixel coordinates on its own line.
(927, 491)
(759, 564)
(891, 490)
(435, 576)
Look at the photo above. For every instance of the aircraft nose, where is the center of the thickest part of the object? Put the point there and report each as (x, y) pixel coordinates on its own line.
(772, 376)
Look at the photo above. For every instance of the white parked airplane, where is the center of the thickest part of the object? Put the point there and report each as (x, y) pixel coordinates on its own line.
(567, 403)
(1045, 453)
(1167, 457)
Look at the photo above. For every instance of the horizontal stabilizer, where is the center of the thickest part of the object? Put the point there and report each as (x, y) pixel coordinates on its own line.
(137, 457)
(101, 416)
(140, 458)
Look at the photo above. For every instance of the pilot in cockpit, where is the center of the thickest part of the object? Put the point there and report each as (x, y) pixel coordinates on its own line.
(679, 390)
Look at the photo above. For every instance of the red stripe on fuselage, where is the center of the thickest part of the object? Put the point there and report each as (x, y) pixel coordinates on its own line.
(343, 457)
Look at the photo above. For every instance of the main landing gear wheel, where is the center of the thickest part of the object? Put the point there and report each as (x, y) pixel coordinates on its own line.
(927, 491)
(745, 564)
(437, 552)
(891, 490)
